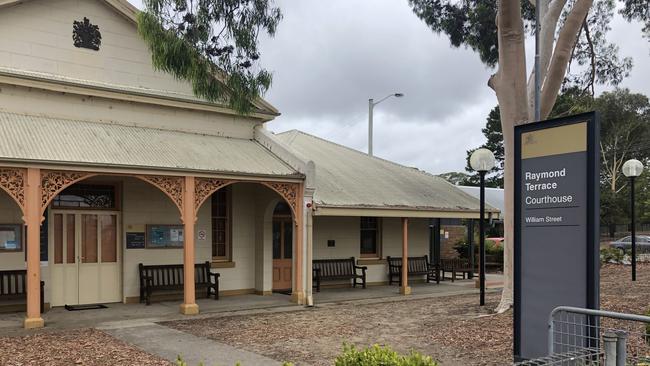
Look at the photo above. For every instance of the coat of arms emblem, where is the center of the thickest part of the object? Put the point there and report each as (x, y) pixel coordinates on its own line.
(86, 34)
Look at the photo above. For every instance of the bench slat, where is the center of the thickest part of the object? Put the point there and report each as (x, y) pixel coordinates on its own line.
(171, 277)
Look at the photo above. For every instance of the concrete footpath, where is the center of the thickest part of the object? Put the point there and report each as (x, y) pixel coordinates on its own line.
(170, 343)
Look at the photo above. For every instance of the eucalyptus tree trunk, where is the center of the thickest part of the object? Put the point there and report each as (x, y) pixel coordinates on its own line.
(515, 92)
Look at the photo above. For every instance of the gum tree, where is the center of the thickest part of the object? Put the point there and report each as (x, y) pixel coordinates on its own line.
(213, 44)
(572, 33)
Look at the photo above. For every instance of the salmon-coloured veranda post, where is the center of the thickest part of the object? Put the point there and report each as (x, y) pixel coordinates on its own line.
(404, 287)
(32, 217)
(189, 306)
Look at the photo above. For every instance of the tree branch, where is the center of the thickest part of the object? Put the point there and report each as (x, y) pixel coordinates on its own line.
(550, 15)
(592, 76)
(561, 55)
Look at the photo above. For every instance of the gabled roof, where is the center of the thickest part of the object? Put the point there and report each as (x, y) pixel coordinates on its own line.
(130, 13)
(347, 178)
(47, 140)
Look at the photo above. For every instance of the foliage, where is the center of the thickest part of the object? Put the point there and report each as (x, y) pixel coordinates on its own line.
(491, 248)
(212, 44)
(455, 178)
(471, 23)
(380, 356)
(624, 134)
(611, 255)
(638, 10)
(494, 135)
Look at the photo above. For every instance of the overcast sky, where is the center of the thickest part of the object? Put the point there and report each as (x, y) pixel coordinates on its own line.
(329, 57)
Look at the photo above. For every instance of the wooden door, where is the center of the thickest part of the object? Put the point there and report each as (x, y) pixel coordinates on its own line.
(86, 266)
(64, 269)
(282, 253)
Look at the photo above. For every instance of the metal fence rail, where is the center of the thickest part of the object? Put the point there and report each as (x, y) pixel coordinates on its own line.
(578, 336)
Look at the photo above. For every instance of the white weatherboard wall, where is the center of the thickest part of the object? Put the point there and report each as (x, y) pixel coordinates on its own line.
(346, 232)
(37, 38)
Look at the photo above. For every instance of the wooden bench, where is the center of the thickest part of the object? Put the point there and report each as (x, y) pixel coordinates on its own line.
(13, 285)
(338, 269)
(456, 266)
(417, 266)
(169, 277)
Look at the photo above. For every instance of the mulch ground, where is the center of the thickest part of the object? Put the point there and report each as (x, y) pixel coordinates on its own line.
(86, 347)
(453, 330)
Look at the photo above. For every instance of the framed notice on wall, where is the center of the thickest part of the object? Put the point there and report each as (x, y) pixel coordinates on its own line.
(556, 225)
(165, 236)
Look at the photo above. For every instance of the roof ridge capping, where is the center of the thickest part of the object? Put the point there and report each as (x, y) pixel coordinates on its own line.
(285, 153)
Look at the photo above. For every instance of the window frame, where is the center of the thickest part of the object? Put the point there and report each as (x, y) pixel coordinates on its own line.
(117, 192)
(228, 226)
(378, 238)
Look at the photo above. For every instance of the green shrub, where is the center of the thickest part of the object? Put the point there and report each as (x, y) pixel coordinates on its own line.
(491, 247)
(380, 356)
(609, 254)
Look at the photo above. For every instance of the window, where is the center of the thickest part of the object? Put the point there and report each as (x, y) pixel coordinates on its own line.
(11, 238)
(99, 197)
(370, 237)
(221, 246)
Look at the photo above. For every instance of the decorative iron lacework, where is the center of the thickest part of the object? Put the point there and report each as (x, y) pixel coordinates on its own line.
(86, 34)
(53, 182)
(13, 182)
(204, 187)
(288, 191)
(86, 196)
(172, 186)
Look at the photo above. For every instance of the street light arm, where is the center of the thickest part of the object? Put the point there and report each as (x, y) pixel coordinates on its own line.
(382, 99)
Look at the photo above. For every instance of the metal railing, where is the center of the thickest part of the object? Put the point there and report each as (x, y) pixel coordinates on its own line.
(578, 336)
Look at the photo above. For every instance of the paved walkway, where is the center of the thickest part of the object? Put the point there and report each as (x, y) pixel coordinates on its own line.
(170, 343)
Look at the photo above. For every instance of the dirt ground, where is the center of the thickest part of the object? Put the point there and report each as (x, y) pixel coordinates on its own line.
(453, 330)
(88, 347)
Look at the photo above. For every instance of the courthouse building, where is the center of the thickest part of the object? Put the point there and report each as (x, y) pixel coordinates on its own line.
(106, 163)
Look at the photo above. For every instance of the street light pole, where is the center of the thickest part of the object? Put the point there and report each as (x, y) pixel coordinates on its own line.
(481, 228)
(633, 219)
(371, 107)
(632, 169)
(482, 161)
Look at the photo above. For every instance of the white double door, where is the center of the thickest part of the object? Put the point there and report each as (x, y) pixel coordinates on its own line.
(85, 257)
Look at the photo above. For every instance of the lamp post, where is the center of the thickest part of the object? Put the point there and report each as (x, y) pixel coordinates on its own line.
(482, 161)
(632, 169)
(371, 106)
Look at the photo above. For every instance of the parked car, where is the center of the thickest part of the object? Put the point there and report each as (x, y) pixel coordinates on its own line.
(642, 243)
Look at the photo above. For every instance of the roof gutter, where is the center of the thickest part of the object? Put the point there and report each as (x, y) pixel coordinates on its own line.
(356, 211)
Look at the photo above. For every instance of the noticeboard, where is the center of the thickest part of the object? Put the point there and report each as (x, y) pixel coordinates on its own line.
(135, 240)
(165, 236)
(556, 225)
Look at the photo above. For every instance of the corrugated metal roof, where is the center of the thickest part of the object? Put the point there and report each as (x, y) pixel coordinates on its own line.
(350, 178)
(46, 139)
(495, 197)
